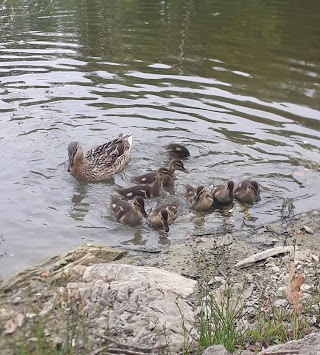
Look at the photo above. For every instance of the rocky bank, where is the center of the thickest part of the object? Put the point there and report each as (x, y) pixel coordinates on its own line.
(105, 301)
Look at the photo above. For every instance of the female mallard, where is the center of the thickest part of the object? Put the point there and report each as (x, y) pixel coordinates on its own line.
(100, 162)
(176, 150)
(199, 198)
(247, 191)
(149, 178)
(128, 213)
(223, 194)
(147, 191)
(163, 215)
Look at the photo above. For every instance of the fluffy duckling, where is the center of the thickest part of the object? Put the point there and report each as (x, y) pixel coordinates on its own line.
(163, 215)
(149, 178)
(223, 194)
(128, 213)
(100, 162)
(176, 150)
(200, 198)
(247, 191)
(147, 191)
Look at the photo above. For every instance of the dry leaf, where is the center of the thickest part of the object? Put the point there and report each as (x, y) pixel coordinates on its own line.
(45, 274)
(293, 292)
(12, 324)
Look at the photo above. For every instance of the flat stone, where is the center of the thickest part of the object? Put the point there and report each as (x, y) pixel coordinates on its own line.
(309, 345)
(216, 350)
(281, 302)
(135, 304)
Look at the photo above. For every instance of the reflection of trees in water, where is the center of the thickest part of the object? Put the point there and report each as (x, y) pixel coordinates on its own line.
(80, 207)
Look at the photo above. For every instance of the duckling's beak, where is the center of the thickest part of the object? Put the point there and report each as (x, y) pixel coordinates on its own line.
(165, 226)
(144, 213)
(185, 170)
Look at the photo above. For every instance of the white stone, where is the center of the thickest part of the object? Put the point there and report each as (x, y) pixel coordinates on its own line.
(137, 304)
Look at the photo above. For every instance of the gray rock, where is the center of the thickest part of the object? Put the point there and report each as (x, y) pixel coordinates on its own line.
(216, 350)
(281, 302)
(137, 306)
(309, 345)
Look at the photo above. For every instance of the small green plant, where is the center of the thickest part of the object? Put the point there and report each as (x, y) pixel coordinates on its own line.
(218, 313)
(218, 319)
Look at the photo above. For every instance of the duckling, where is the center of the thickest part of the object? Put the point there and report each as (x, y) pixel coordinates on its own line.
(176, 150)
(128, 213)
(199, 197)
(100, 162)
(147, 191)
(163, 215)
(247, 191)
(149, 178)
(223, 194)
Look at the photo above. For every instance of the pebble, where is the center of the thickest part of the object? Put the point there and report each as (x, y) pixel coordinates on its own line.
(31, 315)
(57, 341)
(315, 258)
(307, 229)
(304, 288)
(281, 302)
(33, 340)
(17, 300)
(275, 268)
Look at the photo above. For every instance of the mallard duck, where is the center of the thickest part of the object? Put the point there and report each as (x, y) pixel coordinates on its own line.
(147, 191)
(100, 162)
(200, 198)
(128, 213)
(163, 215)
(247, 191)
(223, 194)
(176, 150)
(149, 178)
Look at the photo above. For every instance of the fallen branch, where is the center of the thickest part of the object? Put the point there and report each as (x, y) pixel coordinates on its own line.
(263, 255)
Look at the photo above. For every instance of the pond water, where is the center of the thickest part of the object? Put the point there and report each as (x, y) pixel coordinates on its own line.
(237, 82)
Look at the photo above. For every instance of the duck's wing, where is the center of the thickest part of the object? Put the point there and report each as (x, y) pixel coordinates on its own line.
(119, 207)
(108, 153)
(147, 178)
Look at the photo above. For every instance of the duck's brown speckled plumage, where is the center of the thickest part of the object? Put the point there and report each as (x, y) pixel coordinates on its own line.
(100, 162)
(128, 213)
(247, 191)
(147, 191)
(223, 194)
(200, 198)
(149, 178)
(163, 215)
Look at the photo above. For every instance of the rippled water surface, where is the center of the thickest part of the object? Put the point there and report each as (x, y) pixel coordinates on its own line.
(237, 82)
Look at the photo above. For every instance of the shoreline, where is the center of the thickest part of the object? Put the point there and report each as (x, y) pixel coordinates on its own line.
(213, 255)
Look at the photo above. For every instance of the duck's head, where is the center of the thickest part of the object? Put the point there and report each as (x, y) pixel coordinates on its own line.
(164, 218)
(200, 194)
(176, 164)
(139, 203)
(74, 152)
(254, 186)
(230, 185)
